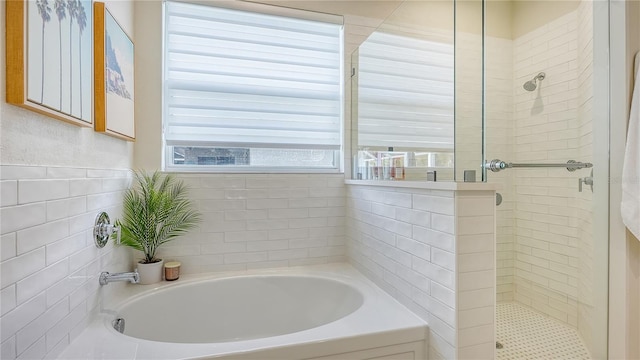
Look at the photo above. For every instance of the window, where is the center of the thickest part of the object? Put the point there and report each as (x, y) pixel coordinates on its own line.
(247, 90)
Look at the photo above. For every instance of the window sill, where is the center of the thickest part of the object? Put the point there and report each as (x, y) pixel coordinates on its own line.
(260, 170)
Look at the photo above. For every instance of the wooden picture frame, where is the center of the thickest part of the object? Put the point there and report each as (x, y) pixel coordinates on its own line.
(60, 32)
(113, 76)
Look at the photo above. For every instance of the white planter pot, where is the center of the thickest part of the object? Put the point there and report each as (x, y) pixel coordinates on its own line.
(150, 273)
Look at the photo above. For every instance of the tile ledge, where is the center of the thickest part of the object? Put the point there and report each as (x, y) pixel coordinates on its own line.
(434, 185)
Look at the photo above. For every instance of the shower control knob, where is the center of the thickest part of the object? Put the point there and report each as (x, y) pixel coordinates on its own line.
(586, 181)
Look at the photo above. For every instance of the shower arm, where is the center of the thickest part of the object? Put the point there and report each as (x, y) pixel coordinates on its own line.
(496, 165)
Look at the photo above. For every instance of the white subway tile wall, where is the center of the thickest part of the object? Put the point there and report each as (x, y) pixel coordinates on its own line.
(546, 131)
(499, 133)
(476, 271)
(49, 266)
(545, 254)
(405, 241)
(404, 264)
(261, 220)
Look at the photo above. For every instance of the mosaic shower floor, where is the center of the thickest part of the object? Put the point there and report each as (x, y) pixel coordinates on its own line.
(526, 334)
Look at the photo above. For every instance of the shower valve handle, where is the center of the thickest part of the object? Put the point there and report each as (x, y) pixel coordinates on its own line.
(585, 180)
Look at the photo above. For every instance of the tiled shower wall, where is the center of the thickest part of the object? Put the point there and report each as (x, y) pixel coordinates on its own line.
(546, 131)
(551, 126)
(49, 263)
(499, 125)
(262, 220)
(544, 241)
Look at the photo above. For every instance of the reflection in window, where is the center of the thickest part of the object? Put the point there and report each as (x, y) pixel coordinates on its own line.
(405, 101)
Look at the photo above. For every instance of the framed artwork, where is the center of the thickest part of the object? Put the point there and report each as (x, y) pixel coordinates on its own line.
(49, 55)
(113, 76)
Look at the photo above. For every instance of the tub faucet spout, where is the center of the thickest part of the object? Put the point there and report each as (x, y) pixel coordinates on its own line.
(106, 277)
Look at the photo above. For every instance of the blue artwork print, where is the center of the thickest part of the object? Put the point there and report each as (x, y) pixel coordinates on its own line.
(119, 59)
(119, 78)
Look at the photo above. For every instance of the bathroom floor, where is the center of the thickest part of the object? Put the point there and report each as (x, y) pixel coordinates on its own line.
(526, 334)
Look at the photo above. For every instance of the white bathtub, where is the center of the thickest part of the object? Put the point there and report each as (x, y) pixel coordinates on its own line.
(292, 313)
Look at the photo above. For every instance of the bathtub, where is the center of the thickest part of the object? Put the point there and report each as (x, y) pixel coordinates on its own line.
(326, 311)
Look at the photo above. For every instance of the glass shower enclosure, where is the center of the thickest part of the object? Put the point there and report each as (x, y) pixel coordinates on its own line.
(508, 91)
(543, 145)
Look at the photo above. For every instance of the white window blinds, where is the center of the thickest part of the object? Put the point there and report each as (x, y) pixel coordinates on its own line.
(241, 79)
(405, 93)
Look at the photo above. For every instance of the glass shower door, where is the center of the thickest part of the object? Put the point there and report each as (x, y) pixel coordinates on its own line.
(540, 77)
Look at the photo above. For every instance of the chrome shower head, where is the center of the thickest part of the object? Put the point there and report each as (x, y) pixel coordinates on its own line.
(531, 84)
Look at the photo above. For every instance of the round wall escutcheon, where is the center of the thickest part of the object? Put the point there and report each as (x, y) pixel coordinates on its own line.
(100, 230)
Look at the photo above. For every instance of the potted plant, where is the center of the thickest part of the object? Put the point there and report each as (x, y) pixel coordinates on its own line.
(156, 210)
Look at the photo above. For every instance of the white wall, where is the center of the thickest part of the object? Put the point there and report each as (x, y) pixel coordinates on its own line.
(528, 15)
(55, 178)
(29, 138)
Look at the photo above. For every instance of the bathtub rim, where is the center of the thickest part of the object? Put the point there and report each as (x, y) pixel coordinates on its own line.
(132, 292)
(367, 325)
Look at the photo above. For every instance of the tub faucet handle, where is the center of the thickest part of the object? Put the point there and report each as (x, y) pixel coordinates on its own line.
(103, 229)
(106, 277)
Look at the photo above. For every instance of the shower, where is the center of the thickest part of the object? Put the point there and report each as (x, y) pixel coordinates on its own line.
(551, 237)
(531, 84)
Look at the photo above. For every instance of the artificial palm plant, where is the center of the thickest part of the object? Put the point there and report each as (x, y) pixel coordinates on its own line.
(156, 211)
